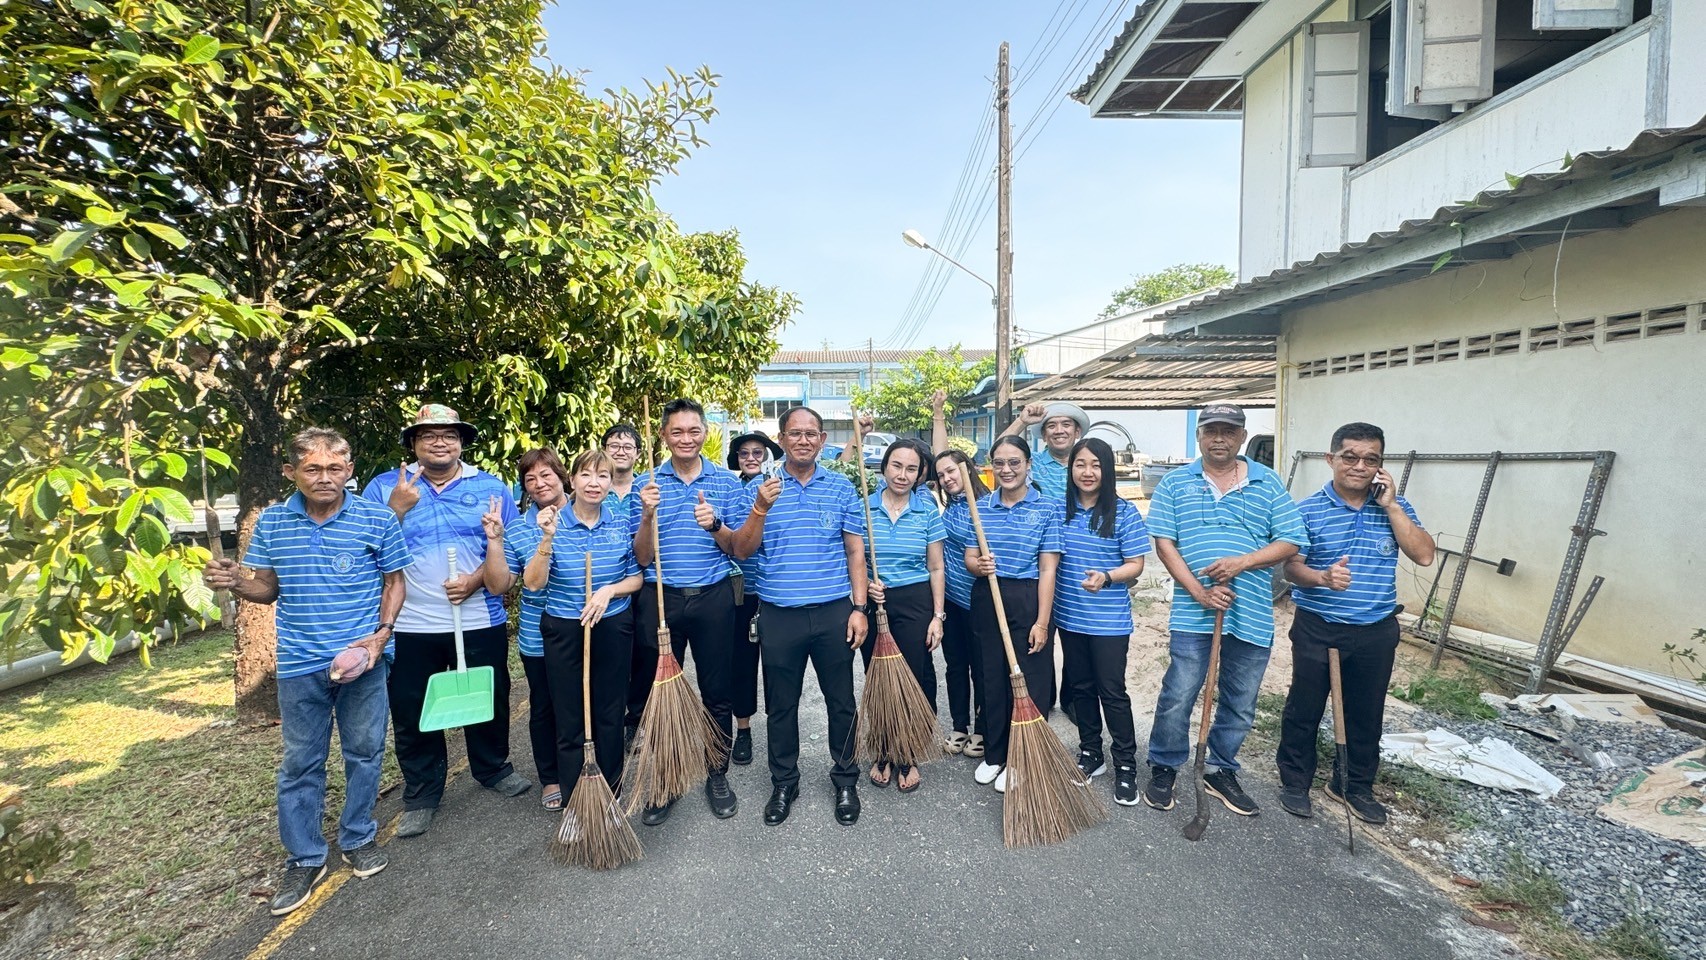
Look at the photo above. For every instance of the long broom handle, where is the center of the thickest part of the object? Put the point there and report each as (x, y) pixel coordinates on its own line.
(1211, 683)
(994, 580)
(1341, 759)
(865, 494)
(657, 515)
(586, 662)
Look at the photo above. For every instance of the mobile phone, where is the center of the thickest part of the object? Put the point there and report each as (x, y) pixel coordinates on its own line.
(1376, 491)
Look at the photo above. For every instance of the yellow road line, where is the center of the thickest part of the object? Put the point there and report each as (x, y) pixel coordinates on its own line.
(294, 920)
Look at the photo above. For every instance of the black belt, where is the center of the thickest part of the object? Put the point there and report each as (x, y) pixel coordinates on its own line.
(692, 591)
(814, 606)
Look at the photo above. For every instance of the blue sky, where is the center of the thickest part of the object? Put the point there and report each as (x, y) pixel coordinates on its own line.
(840, 125)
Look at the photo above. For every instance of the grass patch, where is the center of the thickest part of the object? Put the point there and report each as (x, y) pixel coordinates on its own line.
(1452, 696)
(176, 799)
(1636, 937)
(1531, 898)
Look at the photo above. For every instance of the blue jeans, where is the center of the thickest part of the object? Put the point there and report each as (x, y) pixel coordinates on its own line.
(1241, 667)
(306, 706)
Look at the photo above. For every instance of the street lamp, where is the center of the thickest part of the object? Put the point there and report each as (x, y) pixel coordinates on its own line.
(1003, 362)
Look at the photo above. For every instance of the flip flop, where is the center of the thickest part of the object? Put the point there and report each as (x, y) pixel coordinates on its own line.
(900, 774)
(553, 799)
(887, 770)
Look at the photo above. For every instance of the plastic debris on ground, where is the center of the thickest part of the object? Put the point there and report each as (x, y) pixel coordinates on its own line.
(1491, 762)
(1668, 800)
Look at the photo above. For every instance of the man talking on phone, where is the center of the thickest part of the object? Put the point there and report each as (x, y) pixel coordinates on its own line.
(1347, 597)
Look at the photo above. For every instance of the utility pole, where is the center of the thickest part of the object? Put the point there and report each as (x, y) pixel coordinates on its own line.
(870, 363)
(1003, 250)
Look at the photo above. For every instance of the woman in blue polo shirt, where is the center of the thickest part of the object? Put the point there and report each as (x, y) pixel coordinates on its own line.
(906, 542)
(1023, 530)
(1103, 543)
(558, 566)
(544, 480)
(960, 652)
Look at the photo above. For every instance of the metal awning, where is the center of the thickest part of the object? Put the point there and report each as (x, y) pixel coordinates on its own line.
(1163, 63)
(1168, 372)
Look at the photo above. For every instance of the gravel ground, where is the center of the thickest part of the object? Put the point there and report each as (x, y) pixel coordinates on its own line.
(1608, 870)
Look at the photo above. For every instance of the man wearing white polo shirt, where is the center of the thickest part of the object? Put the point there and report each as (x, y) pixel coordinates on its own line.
(1347, 598)
(1220, 525)
(440, 499)
(333, 563)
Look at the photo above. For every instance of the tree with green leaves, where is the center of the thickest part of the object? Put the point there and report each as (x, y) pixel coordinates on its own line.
(1179, 280)
(901, 402)
(219, 224)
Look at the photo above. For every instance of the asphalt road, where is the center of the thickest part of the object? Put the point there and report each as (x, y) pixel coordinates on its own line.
(923, 875)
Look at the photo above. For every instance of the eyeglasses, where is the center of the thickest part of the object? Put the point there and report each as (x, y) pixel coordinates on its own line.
(750, 455)
(1006, 464)
(1350, 460)
(802, 434)
(435, 436)
(621, 448)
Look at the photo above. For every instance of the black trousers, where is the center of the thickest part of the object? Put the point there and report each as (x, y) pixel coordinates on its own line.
(910, 610)
(964, 658)
(1366, 652)
(541, 720)
(1095, 666)
(421, 755)
(612, 645)
(1019, 599)
(701, 619)
(790, 636)
(743, 663)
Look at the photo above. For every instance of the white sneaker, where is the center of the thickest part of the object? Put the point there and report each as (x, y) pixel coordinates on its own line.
(1001, 781)
(986, 773)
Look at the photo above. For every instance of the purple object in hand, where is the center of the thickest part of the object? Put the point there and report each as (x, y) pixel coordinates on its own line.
(350, 664)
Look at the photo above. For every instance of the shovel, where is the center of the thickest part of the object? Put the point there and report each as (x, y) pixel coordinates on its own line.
(1339, 749)
(1194, 830)
(460, 697)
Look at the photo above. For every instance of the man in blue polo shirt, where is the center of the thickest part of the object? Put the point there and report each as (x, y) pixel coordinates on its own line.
(689, 499)
(1347, 598)
(1063, 425)
(809, 526)
(440, 499)
(1220, 525)
(333, 563)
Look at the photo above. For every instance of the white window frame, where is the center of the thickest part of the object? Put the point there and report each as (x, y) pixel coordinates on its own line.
(1397, 71)
(1416, 91)
(1360, 154)
(1583, 14)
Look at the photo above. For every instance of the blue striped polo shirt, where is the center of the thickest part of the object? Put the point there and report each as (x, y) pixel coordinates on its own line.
(1049, 474)
(691, 557)
(805, 559)
(612, 549)
(441, 519)
(521, 541)
(330, 576)
(752, 568)
(1018, 534)
(1249, 517)
(956, 524)
(1107, 612)
(1364, 535)
(626, 508)
(903, 546)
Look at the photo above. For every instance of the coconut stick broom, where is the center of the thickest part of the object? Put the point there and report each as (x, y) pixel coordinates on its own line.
(1048, 798)
(593, 832)
(896, 723)
(679, 743)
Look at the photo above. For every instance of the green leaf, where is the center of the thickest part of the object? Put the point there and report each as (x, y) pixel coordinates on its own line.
(176, 466)
(128, 510)
(218, 457)
(102, 216)
(46, 501)
(1442, 260)
(201, 48)
(173, 504)
(137, 246)
(166, 233)
(68, 242)
(1513, 180)
(151, 535)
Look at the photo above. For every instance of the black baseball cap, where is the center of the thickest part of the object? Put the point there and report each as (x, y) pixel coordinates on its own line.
(1220, 413)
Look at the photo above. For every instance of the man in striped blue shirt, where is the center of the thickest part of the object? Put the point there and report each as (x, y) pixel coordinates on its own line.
(333, 563)
(1063, 425)
(1347, 599)
(684, 504)
(811, 606)
(1220, 525)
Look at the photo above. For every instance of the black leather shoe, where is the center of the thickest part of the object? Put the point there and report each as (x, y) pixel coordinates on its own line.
(781, 802)
(656, 815)
(741, 752)
(719, 795)
(847, 805)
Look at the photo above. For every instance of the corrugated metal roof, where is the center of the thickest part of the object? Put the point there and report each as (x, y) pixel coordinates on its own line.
(1584, 166)
(1112, 54)
(862, 357)
(1162, 372)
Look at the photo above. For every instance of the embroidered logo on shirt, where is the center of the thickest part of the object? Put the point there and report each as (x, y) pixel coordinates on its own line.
(468, 499)
(343, 563)
(1388, 546)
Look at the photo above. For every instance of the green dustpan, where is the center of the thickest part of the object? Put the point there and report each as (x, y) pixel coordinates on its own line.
(460, 697)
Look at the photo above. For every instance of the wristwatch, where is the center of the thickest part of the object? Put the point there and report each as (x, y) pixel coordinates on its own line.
(716, 524)
(392, 626)
(1110, 575)
(942, 615)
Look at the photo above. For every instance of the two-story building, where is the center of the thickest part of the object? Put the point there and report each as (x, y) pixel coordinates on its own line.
(1480, 224)
(824, 380)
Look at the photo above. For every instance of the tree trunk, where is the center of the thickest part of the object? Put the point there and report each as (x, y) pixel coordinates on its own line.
(258, 481)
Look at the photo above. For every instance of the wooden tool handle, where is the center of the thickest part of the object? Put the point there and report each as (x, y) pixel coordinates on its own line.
(586, 661)
(865, 495)
(1338, 697)
(994, 580)
(657, 515)
(1211, 683)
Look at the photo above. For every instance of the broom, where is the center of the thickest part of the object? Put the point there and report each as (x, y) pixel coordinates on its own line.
(896, 723)
(1048, 798)
(593, 832)
(679, 743)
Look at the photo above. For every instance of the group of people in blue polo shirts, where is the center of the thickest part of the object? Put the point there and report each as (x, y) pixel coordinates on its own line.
(772, 563)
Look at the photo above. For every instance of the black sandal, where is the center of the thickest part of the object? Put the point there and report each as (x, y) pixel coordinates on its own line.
(888, 772)
(900, 774)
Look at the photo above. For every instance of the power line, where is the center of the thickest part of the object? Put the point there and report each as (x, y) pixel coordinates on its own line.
(1055, 98)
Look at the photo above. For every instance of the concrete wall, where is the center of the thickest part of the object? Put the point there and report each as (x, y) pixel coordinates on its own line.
(1643, 398)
